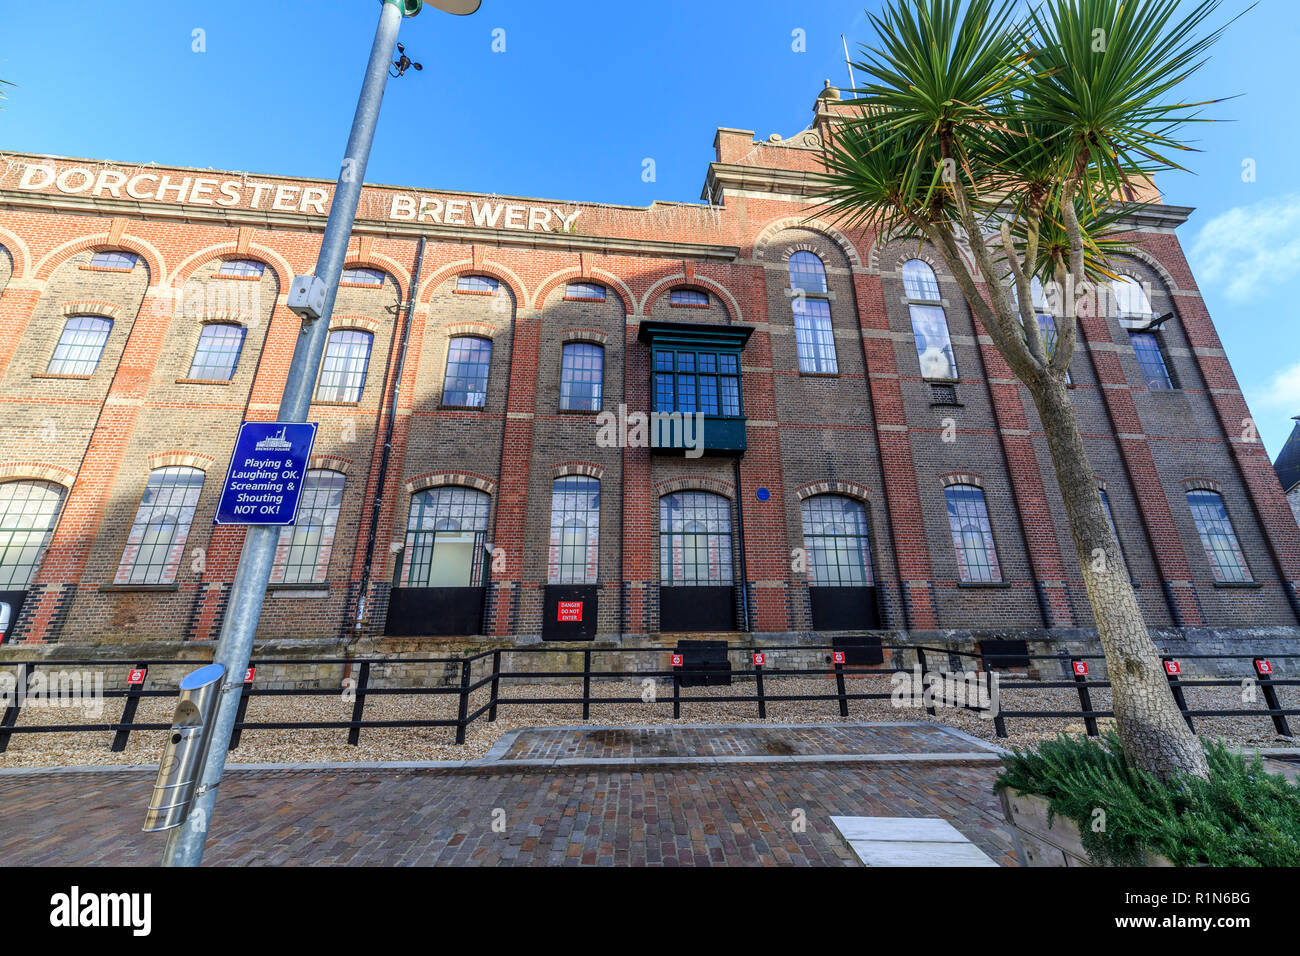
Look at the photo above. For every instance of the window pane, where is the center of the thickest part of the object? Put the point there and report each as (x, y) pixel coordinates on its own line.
(575, 531)
(814, 340)
(933, 347)
(343, 371)
(468, 362)
(362, 277)
(688, 297)
(709, 394)
(582, 367)
(1146, 346)
(919, 281)
(303, 554)
(807, 272)
(1218, 537)
(241, 267)
(476, 284)
(972, 535)
(835, 535)
(28, 512)
(585, 290)
(156, 543)
(445, 537)
(694, 539)
(114, 260)
(1130, 298)
(218, 352)
(80, 346)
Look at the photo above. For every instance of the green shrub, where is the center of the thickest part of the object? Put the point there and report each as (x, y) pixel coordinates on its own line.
(1241, 816)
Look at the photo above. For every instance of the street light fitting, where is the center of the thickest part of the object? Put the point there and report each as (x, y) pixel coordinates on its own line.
(460, 8)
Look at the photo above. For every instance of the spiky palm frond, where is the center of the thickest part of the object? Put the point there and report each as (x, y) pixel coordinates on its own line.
(940, 70)
(1104, 72)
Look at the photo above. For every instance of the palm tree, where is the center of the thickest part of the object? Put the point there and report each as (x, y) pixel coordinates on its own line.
(1017, 143)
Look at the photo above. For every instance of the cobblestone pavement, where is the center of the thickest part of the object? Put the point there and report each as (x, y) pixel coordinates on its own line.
(732, 814)
(740, 740)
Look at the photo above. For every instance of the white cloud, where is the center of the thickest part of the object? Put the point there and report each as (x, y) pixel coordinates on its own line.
(1282, 392)
(1250, 250)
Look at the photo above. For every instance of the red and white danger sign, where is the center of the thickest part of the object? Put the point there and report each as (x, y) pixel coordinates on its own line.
(677, 660)
(837, 657)
(1081, 668)
(759, 658)
(569, 611)
(248, 675)
(1263, 666)
(136, 675)
(1173, 668)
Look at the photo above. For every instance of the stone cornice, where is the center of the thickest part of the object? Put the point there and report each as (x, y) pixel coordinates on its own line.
(309, 222)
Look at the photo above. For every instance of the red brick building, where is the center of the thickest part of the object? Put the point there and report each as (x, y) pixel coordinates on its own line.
(866, 459)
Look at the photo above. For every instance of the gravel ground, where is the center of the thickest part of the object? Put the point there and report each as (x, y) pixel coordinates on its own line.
(437, 743)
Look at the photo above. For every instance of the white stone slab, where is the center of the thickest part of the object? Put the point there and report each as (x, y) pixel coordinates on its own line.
(914, 829)
(882, 853)
(909, 841)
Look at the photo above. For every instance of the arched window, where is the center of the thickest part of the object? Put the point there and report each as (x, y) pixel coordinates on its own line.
(361, 276)
(1131, 302)
(80, 346)
(303, 554)
(585, 290)
(242, 269)
(582, 369)
(807, 273)
(575, 531)
(29, 511)
(929, 323)
(835, 536)
(156, 542)
(696, 298)
(919, 281)
(469, 360)
(972, 534)
(694, 539)
(343, 369)
(814, 338)
(114, 259)
(445, 537)
(1218, 537)
(217, 353)
(483, 284)
(1042, 309)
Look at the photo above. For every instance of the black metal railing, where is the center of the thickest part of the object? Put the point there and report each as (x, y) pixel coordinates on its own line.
(463, 677)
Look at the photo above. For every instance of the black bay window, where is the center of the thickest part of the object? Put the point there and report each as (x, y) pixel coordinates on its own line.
(695, 376)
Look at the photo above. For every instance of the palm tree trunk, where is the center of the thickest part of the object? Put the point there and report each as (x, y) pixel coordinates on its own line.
(1151, 726)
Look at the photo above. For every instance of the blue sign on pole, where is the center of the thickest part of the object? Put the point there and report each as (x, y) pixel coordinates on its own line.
(266, 473)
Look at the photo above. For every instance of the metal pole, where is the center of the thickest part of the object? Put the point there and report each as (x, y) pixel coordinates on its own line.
(234, 648)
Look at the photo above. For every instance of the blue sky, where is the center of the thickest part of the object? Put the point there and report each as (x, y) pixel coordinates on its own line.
(584, 92)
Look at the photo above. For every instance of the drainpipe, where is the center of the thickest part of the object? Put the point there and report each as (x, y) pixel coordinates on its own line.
(366, 569)
(740, 538)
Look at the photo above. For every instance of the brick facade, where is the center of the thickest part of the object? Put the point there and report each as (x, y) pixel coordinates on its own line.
(876, 431)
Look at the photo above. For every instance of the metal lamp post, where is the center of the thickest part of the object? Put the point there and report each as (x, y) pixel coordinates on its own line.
(234, 648)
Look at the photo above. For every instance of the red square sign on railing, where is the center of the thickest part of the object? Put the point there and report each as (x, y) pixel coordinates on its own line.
(1263, 666)
(837, 657)
(136, 675)
(677, 660)
(248, 675)
(1081, 668)
(1173, 668)
(759, 658)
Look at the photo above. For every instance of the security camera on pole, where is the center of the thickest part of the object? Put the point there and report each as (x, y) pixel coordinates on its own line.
(312, 298)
